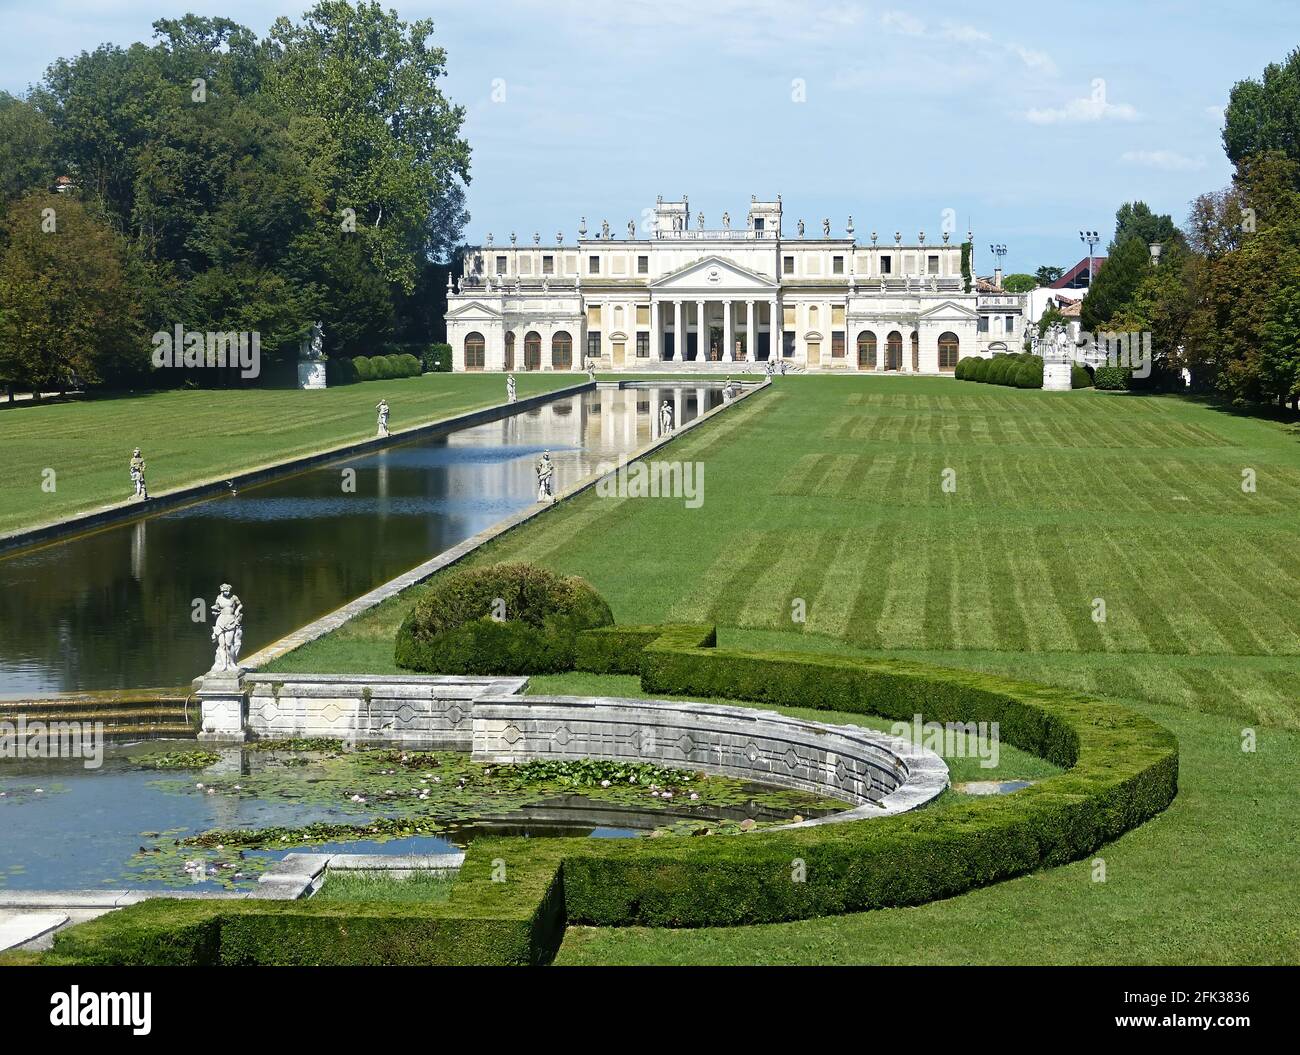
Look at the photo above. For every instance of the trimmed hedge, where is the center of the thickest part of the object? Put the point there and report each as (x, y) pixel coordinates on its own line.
(437, 358)
(1079, 377)
(373, 368)
(451, 629)
(1120, 770)
(1112, 378)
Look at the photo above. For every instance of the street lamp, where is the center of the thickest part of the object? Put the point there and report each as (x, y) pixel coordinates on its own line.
(1092, 238)
(998, 251)
(1155, 248)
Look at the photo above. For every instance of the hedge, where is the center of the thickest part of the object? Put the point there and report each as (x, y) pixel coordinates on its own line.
(1079, 377)
(1112, 378)
(437, 358)
(452, 629)
(1120, 770)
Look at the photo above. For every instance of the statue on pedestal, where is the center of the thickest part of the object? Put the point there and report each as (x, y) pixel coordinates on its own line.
(726, 221)
(510, 388)
(699, 221)
(800, 226)
(826, 228)
(545, 477)
(382, 408)
(228, 631)
(604, 229)
(666, 418)
(317, 350)
(137, 476)
(631, 230)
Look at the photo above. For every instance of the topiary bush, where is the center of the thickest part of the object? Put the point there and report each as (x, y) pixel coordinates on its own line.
(1079, 377)
(364, 368)
(412, 365)
(1112, 378)
(437, 358)
(979, 370)
(1030, 373)
(452, 629)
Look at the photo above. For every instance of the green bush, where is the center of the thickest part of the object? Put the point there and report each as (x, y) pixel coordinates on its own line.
(979, 370)
(451, 629)
(1079, 377)
(960, 372)
(1030, 373)
(414, 368)
(437, 358)
(364, 368)
(1112, 378)
(998, 368)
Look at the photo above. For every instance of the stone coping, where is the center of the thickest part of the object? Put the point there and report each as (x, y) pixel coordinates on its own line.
(879, 773)
(461, 550)
(166, 501)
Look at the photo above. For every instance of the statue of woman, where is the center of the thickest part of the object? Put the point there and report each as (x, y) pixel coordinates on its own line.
(545, 477)
(510, 388)
(666, 417)
(382, 408)
(228, 631)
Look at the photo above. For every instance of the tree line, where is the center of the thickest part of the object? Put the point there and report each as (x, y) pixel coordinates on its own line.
(222, 182)
(1223, 302)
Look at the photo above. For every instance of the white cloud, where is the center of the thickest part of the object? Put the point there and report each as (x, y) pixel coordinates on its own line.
(1034, 60)
(1168, 160)
(1094, 107)
(965, 34)
(1215, 113)
(902, 22)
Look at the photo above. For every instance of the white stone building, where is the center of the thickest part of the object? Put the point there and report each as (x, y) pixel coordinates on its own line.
(683, 295)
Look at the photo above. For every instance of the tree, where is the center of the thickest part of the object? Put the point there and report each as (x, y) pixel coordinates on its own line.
(1019, 283)
(1135, 219)
(26, 149)
(1115, 283)
(394, 143)
(1264, 115)
(67, 309)
(1047, 274)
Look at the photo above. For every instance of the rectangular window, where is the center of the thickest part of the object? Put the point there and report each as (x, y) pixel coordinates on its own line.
(787, 344)
(787, 316)
(837, 315)
(886, 265)
(501, 265)
(643, 314)
(548, 265)
(643, 265)
(983, 325)
(758, 223)
(837, 344)
(643, 344)
(837, 265)
(932, 265)
(593, 344)
(593, 316)
(787, 265)
(1011, 324)
(593, 265)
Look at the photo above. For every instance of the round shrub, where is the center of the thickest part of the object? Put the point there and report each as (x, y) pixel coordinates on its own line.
(364, 367)
(960, 372)
(412, 365)
(1079, 377)
(452, 629)
(1030, 373)
(1111, 378)
(997, 369)
(979, 370)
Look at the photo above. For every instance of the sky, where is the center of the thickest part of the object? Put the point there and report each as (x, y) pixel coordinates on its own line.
(1022, 122)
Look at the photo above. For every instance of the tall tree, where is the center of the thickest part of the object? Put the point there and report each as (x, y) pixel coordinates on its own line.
(1264, 115)
(1136, 219)
(1115, 283)
(1047, 274)
(26, 149)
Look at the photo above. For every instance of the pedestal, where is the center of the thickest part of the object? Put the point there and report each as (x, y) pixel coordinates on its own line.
(311, 374)
(223, 707)
(1056, 375)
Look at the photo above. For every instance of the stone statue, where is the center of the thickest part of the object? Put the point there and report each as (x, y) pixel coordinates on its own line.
(768, 368)
(591, 371)
(489, 239)
(545, 477)
(699, 221)
(726, 221)
(382, 408)
(559, 238)
(513, 239)
(546, 284)
(749, 222)
(898, 237)
(800, 225)
(677, 223)
(487, 284)
(582, 227)
(137, 476)
(849, 229)
(631, 229)
(318, 338)
(826, 228)
(873, 237)
(537, 238)
(921, 238)
(510, 388)
(728, 391)
(666, 418)
(227, 631)
(604, 229)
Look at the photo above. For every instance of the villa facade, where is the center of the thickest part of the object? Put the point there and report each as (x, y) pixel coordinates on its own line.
(676, 294)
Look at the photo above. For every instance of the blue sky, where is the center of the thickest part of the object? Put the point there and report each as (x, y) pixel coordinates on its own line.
(1027, 120)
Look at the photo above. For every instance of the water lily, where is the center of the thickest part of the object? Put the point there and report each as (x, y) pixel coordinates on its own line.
(604, 783)
(694, 796)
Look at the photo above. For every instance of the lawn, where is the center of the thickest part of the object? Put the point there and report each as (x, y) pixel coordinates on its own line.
(825, 497)
(190, 436)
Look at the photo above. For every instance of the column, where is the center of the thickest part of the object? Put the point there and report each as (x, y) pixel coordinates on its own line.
(679, 341)
(655, 353)
(774, 329)
(728, 348)
(702, 340)
(751, 326)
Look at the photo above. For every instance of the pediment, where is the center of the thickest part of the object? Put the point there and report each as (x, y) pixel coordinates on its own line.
(475, 309)
(713, 273)
(949, 309)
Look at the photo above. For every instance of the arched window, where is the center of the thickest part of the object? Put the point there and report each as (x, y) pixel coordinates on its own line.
(532, 350)
(510, 350)
(561, 351)
(916, 352)
(894, 351)
(866, 350)
(475, 351)
(948, 345)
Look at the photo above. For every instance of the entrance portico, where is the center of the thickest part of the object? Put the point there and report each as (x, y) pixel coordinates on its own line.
(719, 304)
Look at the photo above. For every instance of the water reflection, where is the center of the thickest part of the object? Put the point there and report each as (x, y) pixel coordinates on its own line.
(116, 609)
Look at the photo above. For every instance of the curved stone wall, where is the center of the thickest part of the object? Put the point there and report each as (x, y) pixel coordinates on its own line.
(878, 773)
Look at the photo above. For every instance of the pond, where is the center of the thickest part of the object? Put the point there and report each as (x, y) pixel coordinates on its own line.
(116, 609)
(233, 811)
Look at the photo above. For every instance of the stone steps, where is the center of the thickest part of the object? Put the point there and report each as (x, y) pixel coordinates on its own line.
(123, 718)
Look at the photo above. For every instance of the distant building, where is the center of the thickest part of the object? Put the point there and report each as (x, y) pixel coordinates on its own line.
(1081, 274)
(676, 294)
